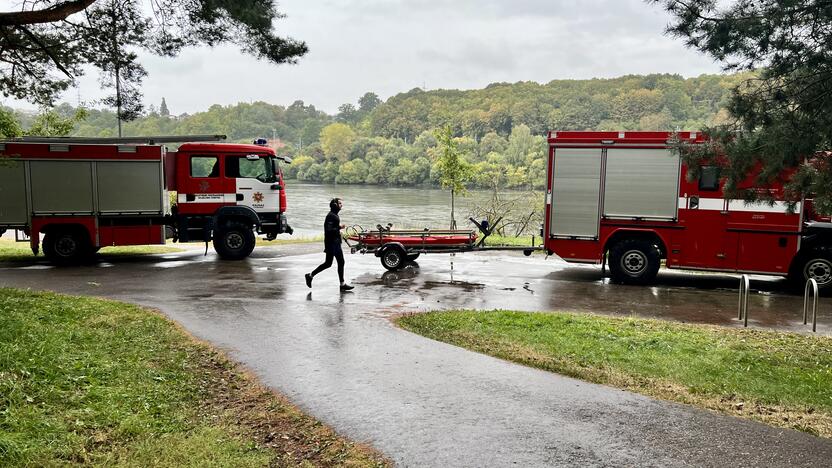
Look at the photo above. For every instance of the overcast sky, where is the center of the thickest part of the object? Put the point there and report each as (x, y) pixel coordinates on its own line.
(392, 46)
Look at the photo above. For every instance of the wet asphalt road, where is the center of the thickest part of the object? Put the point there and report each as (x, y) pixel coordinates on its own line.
(425, 403)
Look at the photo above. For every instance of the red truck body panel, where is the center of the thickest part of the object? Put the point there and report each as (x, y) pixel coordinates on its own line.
(147, 172)
(706, 231)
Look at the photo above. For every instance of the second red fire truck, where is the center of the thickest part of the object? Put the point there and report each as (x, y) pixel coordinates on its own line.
(625, 198)
(85, 193)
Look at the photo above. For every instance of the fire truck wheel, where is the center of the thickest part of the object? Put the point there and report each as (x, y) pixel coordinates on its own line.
(66, 247)
(393, 258)
(817, 267)
(634, 261)
(234, 241)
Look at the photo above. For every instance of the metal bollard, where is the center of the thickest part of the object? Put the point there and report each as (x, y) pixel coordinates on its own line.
(742, 307)
(814, 290)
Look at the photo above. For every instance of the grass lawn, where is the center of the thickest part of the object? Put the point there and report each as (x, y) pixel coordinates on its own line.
(88, 381)
(521, 241)
(289, 240)
(11, 251)
(783, 379)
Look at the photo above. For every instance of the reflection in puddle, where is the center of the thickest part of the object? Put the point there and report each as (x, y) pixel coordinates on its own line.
(175, 264)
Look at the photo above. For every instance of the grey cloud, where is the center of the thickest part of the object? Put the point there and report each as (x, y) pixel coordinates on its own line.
(390, 46)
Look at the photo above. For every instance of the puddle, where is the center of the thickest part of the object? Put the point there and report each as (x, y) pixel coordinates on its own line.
(174, 264)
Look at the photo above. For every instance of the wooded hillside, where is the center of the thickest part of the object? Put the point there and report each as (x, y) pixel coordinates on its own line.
(500, 129)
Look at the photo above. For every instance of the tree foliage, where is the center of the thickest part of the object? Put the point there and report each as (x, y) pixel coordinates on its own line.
(9, 126)
(510, 154)
(783, 114)
(50, 123)
(163, 109)
(453, 170)
(47, 44)
(337, 140)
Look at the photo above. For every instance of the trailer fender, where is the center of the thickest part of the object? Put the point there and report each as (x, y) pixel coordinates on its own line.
(390, 245)
(236, 212)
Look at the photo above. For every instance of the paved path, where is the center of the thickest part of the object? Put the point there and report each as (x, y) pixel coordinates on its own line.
(425, 403)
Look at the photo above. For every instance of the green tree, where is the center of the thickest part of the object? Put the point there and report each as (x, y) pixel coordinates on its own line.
(661, 121)
(163, 109)
(120, 26)
(9, 126)
(47, 44)
(337, 140)
(50, 123)
(352, 172)
(299, 165)
(781, 115)
(347, 113)
(368, 102)
(520, 144)
(454, 170)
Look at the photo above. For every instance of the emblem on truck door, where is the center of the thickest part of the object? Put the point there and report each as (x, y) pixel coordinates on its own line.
(258, 197)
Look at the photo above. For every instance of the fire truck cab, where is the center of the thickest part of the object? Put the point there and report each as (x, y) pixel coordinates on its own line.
(86, 193)
(625, 198)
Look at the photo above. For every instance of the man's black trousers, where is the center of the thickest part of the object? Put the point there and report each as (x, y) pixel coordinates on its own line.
(338, 255)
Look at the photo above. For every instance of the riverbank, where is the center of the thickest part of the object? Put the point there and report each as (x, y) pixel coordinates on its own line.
(89, 381)
(11, 251)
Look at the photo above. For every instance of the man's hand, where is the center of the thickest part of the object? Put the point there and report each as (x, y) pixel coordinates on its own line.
(342, 226)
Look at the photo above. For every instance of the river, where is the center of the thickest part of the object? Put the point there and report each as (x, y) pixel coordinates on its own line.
(369, 205)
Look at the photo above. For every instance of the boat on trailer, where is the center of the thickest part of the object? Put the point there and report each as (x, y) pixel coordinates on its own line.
(397, 247)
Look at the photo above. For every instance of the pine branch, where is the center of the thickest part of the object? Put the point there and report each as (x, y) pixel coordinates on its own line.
(46, 50)
(51, 14)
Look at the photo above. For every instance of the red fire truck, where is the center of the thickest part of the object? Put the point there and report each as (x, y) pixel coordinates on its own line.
(624, 198)
(86, 193)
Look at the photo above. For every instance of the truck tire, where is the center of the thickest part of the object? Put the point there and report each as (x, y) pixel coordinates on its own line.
(234, 241)
(634, 261)
(67, 247)
(813, 265)
(393, 258)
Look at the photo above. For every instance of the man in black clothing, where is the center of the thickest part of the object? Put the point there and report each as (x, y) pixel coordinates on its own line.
(332, 245)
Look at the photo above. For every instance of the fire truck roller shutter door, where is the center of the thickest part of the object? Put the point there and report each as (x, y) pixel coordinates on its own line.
(13, 208)
(130, 187)
(61, 187)
(641, 183)
(576, 185)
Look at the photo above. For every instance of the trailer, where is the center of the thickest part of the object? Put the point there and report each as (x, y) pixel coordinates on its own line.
(83, 194)
(396, 247)
(624, 199)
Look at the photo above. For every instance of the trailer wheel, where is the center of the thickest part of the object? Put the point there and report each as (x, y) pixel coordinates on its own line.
(634, 261)
(234, 241)
(66, 247)
(816, 266)
(393, 258)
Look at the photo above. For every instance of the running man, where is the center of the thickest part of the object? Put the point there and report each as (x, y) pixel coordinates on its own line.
(332, 245)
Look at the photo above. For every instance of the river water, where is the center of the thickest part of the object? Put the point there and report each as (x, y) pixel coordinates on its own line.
(369, 205)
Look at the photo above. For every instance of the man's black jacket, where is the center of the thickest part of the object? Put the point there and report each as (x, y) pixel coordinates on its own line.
(332, 233)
